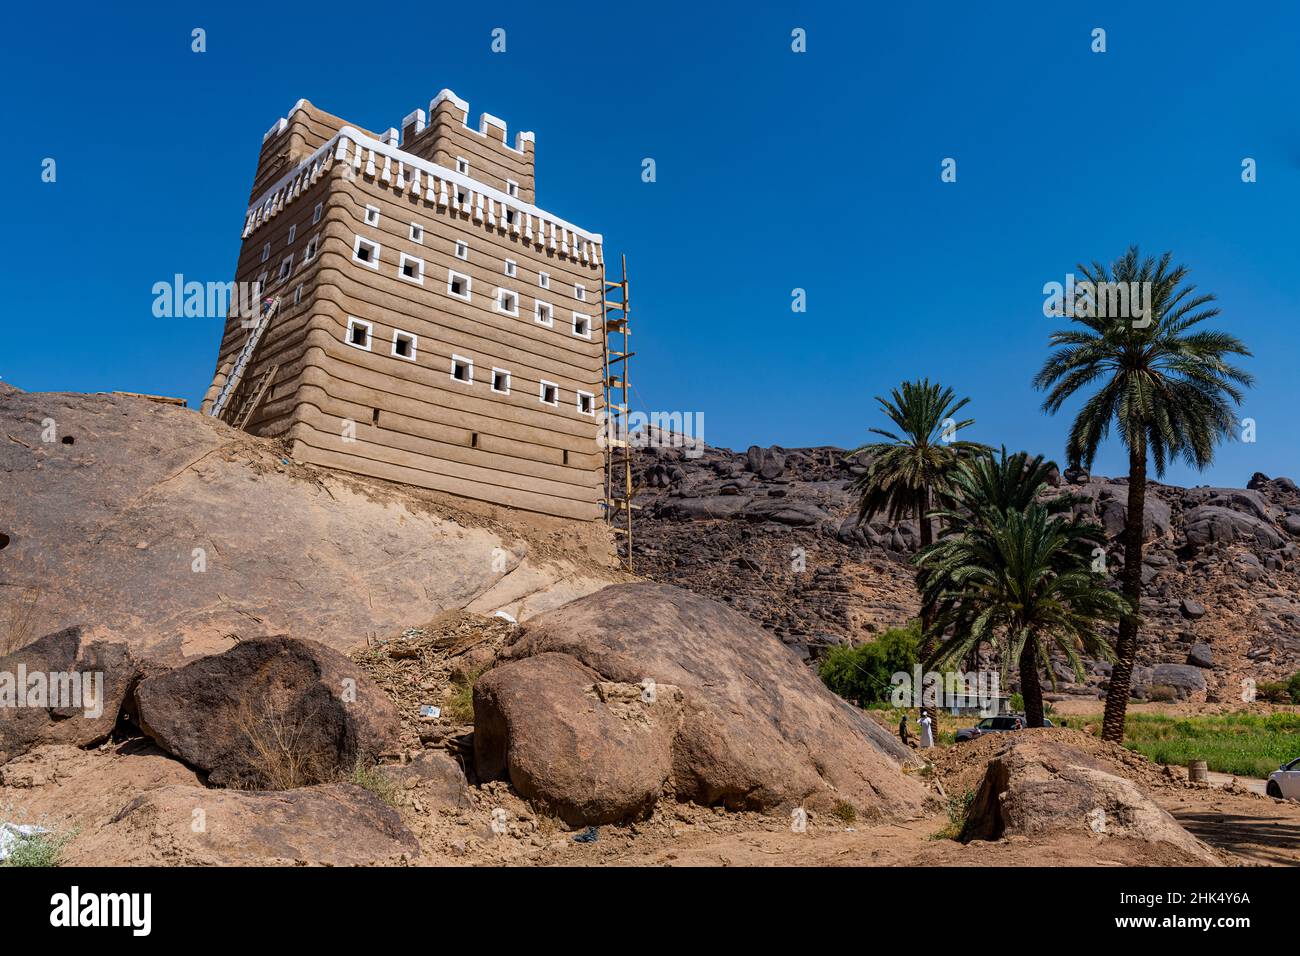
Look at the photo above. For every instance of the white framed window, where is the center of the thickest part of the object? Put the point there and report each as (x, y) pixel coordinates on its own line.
(512, 268)
(317, 213)
(587, 403)
(293, 233)
(359, 332)
(366, 252)
(309, 253)
(507, 301)
(581, 325)
(462, 249)
(549, 393)
(462, 369)
(417, 233)
(411, 269)
(462, 198)
(512, 188)
(580, 292)
(286, 268)
(500, 381)
(266, 252)
(297, 294)
(510, 217)
(372, 215)
(462, 165)
(404, 344)
(544, 280)
(543, 313)
(458, 285)
(261, 281)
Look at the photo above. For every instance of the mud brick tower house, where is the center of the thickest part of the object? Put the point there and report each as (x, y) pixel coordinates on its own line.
(423, 320)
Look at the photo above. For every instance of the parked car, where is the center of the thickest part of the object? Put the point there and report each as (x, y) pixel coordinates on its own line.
(1284, 783)
(995, 725)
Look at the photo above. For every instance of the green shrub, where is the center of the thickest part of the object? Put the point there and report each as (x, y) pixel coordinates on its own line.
(1273, 692)
(370, 777)
(41, 849)
(1293, 687)
(861, 674)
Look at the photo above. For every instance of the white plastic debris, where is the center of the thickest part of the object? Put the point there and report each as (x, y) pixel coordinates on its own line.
(505, 617)
(12, 833)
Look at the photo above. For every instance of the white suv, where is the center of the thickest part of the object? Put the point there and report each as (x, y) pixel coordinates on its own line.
(1285, 783)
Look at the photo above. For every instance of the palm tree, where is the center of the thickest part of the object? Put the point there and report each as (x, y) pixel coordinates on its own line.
(1016, 572)
(1167, 390)
(909, 471)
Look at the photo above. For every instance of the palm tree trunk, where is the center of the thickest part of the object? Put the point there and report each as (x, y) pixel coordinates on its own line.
(1030, 687)
(1121, 675)
(928, 642)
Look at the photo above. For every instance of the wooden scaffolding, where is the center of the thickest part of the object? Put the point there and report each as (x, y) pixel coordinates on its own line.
(616, 314)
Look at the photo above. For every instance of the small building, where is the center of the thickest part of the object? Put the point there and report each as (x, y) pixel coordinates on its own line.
(421, 318)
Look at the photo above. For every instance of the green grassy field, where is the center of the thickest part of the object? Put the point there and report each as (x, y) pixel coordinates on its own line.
(1244, 744)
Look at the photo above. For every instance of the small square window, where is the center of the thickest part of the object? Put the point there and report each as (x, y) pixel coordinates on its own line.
(372, 215)
(462, 197)
(587, 403)
(317, 213)
(359, 333)
(511, 268)
(293, 232)
(580, 292)
(411, 269)
(501, 381)
(507, 302)
(512, 188)
(404, 345)
(510, 217)
(417, 233)
(286, 268)
(309, 253)
(366, 252)
(462, 165)
(581, 325)
(297, 294)
(549, 393)
(462, 369)
(261, 281)
(458, 285)
(462, 249)
(544, 280)
(543, 313)
(266, 252)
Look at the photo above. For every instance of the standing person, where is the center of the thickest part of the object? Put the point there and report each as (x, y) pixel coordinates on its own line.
(903, 733)
(927, 729)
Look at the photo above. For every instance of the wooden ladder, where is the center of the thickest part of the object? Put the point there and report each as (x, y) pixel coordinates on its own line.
(245, 357)
(246, 410)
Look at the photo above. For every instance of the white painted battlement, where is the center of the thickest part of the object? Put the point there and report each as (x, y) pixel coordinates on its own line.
(485, 120)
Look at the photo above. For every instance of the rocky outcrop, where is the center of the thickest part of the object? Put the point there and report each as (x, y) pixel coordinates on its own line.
(331, 825)
(641, 691)
(273, 713)
(63, 689)
(1036, 786)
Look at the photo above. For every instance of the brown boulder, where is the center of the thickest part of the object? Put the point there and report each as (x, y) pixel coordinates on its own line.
(581, 749)
(1036, 786)
(757, 730)
(435, 774)
(62, 689)
(271, 714)
(330, 825)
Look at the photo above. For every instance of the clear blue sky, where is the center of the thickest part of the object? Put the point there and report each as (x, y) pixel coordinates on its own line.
(775, 170)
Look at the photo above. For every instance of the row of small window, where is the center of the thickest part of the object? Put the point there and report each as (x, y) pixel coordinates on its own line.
(366, 252)
(360, 334)
(462, 167)
(286, 264)
(462, 252)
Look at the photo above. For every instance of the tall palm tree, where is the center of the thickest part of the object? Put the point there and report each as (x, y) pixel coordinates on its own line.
(909, 471)
(1169, 392)
(1016, 572)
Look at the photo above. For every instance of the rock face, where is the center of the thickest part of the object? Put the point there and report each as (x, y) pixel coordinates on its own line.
(268, 714)
(331, 825)
(83, 685)
(1212, 524)
(1037, 787)
(174, 532)
(641, 691)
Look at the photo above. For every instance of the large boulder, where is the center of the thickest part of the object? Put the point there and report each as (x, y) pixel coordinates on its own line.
(1215, 524)
(1113, 512)
(273, 713)
(1037, 786)
(330, 825)
(733, 718)
(765, 462)
(63, 689)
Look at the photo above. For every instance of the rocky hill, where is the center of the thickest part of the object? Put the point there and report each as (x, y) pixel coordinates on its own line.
(773, 532)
